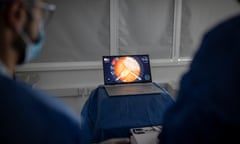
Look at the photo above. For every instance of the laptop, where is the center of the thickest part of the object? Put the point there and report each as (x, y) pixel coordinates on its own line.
(128, 75)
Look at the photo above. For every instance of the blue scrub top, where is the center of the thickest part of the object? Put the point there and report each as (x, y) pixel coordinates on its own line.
(29, 116)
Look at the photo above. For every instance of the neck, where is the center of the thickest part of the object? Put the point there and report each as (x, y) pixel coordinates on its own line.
(8, 56)
(8, 61)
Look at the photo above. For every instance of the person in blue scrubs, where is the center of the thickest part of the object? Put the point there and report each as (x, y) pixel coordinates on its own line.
(28, 116)
(207, 109)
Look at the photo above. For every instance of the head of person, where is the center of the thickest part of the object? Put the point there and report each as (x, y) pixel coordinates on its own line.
(22, 24)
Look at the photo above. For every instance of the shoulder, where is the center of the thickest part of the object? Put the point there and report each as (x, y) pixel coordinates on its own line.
(214, 63)
(44, 100)
(215, 66)
(36, 110)
(229, 27)
(219, 43)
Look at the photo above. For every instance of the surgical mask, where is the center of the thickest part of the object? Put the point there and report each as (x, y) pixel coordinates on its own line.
(33, 48)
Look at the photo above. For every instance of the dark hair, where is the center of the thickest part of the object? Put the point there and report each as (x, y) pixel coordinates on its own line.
(3, 2)
(18, 44)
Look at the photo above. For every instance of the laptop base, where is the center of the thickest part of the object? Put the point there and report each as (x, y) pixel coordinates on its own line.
(132, 89)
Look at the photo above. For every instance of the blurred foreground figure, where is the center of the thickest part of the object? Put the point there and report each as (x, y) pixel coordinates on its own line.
(27, 115)
(208, 104)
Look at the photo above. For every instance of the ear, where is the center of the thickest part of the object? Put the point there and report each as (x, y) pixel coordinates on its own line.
(16, 15)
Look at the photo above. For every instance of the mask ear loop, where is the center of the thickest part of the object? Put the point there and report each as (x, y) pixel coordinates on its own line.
(45, 6)
(26, 38)
(24, 35)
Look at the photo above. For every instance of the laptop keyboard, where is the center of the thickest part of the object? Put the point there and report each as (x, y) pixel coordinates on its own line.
(132, 89)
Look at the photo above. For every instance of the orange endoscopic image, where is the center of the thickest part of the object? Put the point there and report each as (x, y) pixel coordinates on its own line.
(127, 69)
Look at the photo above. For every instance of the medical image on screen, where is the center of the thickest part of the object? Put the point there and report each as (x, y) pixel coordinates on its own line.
(126, 69)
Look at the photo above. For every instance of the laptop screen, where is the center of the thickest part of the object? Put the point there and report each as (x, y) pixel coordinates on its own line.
(126, 69)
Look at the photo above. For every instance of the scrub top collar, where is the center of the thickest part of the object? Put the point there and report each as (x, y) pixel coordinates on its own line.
(4, 71)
